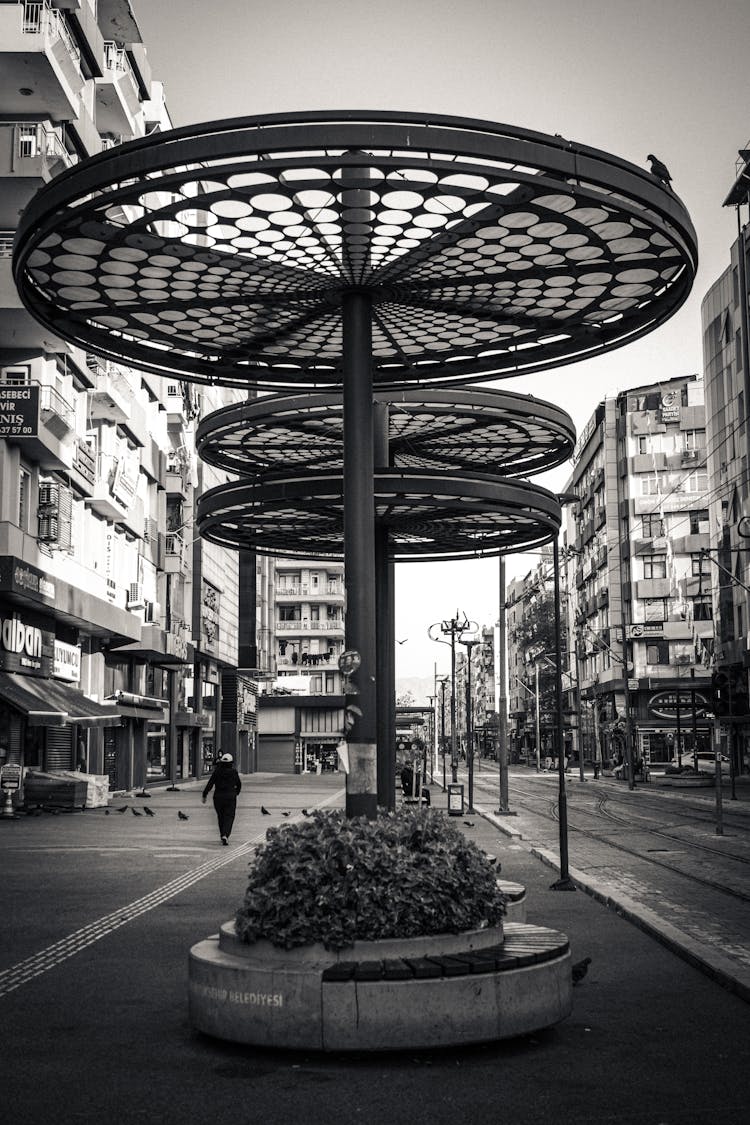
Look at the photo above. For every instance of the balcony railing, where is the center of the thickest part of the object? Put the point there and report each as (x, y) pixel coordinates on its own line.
(36, 141)
(52, 405)
(308, 625)
(39, 18)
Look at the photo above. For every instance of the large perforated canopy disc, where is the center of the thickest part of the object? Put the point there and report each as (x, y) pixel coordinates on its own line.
(427, 515)
(223, 251)
(490, 431)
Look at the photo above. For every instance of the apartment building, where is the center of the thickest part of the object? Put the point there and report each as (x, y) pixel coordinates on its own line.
(119, 629)
(301, 714)
(724, 315)
(639, 582)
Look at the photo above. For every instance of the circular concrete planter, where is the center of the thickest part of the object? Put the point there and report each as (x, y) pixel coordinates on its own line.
(688, 781)
(448, 989)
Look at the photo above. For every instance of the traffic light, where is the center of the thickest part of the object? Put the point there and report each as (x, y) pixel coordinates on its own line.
(721, 687)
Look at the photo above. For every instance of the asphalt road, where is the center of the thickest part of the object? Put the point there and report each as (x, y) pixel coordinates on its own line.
(100, 912)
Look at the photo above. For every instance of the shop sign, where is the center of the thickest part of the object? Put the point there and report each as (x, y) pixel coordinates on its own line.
(664, 705)
(66, 662)
(125, 481)
(644, 630)
(23, 641)
(10, 777)
(19, 411)
(19, 578)
(670, 406)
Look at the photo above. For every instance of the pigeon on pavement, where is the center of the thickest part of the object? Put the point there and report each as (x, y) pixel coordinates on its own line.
(181, 815)
(135, 812)
(264, 810)
(148, 811)
(579, 970)
(285, 813)
(124, 808)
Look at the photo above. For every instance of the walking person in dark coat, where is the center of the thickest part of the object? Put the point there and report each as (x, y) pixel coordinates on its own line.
(226, 784)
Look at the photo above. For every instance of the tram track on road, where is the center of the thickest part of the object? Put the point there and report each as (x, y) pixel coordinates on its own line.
(546, 807)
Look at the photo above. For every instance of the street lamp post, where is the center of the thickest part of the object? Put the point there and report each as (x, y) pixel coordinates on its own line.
(454, 628)
(432, 700)
(564, 883)
(442, 681)
(469, 644)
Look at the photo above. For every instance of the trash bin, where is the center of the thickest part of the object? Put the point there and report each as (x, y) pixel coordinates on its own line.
(455, 800)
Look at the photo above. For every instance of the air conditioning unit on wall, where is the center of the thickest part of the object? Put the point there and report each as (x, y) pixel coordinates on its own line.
(135, 595)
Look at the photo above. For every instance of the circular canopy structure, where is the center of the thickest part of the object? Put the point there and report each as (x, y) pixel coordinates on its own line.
(222, 252)
(488, 430)
(427, 515)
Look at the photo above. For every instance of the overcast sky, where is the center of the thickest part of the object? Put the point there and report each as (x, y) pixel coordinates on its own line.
(632, 77)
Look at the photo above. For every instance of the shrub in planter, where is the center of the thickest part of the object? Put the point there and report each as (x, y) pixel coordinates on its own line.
(336, 881)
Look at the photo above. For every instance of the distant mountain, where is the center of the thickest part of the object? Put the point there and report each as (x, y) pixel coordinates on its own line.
(420, 687)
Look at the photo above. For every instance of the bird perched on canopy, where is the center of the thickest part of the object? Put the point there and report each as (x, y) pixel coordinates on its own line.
(659, 170)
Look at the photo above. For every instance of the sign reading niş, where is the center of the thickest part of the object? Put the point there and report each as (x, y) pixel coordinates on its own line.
(19, 411)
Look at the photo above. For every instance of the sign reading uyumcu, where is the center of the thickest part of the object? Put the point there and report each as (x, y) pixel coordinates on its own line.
(19, 410)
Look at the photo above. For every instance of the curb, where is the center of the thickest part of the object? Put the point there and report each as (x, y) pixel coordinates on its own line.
(714, 965)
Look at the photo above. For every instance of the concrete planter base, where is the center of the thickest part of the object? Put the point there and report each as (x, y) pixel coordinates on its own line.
(687, 781)
(415, 993)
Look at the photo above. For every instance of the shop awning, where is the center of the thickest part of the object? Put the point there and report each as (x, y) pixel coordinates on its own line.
(49, 703)
(134, 706)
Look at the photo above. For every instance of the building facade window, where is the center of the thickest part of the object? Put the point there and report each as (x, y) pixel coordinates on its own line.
(653, 526)
(657, 652)
(693, 439)
(655, 609)
(650, 484)
(700, 565)
(654, 566)
(699, 522)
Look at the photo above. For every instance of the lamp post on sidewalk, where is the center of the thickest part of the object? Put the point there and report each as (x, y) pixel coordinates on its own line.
(469, 643)
(453, 627)
(442, 681)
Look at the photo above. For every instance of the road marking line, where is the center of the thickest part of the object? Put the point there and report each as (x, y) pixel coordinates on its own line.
(66, 947)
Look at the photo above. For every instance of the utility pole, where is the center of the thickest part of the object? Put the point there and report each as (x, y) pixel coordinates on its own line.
(453, 628)
(502, 695)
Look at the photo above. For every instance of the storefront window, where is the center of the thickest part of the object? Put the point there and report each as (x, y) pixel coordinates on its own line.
(208, 754)
(156, 751)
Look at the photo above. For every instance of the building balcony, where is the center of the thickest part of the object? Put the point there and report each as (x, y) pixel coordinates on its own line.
(134, 519)
(308, 626)
(691, 544)
(83, 468)
(307, 660)
(41, 73)
(175, 554)
(177, 479)
(105, 499)
(153, 462)
(111, 399)
(309, 593)
(118, 100)
(32, 150)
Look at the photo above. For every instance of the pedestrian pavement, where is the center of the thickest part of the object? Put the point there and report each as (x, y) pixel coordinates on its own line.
(716, 951)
